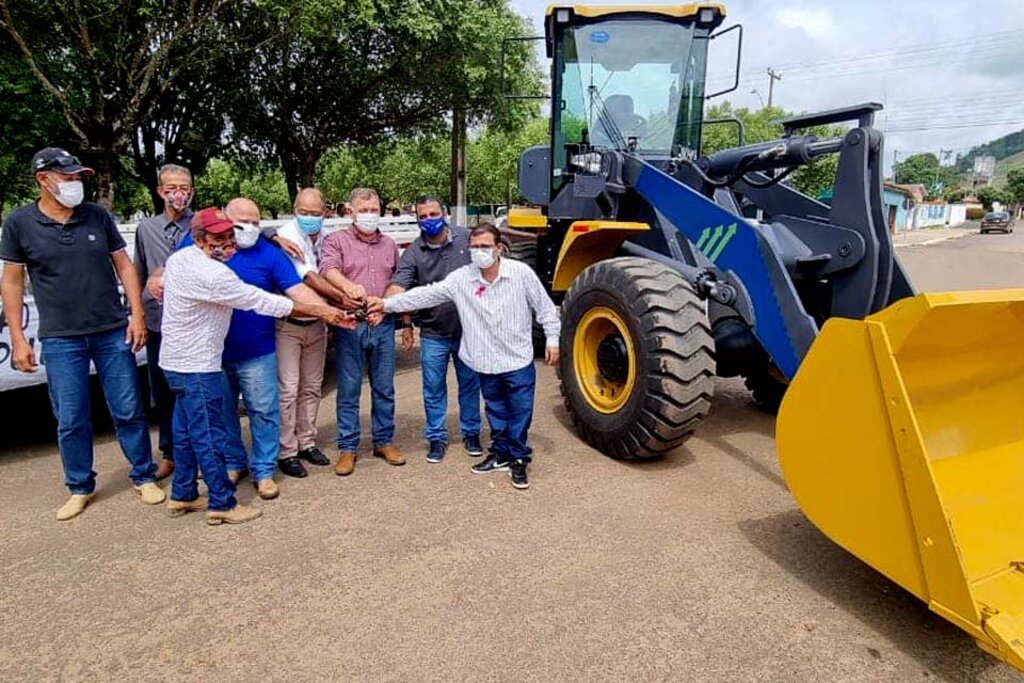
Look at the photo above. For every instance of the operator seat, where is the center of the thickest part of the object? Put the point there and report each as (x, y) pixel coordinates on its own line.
(617, 113)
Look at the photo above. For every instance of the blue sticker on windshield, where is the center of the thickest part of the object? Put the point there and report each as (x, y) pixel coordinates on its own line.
(599, 37)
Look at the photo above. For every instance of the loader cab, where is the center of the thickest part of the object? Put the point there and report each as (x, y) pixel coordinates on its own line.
(627, 78)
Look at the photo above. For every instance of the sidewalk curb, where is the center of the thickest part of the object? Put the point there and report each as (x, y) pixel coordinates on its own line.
(937, 240)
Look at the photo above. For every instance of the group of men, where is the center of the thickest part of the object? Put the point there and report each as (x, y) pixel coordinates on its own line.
(226, 308)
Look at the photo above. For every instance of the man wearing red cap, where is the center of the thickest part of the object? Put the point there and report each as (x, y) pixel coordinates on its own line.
(75, 256)
(200, 293)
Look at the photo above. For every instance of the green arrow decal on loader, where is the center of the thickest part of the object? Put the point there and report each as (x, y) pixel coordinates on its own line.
(713, 254)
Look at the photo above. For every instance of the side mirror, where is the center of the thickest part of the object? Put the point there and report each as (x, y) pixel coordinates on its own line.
(739, 54)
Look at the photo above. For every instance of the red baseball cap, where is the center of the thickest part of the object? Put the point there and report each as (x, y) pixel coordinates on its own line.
(212, 220)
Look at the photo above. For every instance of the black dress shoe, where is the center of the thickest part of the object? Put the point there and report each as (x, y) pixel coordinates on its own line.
(293, 467)
(314, 456)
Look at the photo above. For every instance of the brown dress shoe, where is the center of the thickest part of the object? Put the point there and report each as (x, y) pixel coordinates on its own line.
(346, 463)
(390, 453)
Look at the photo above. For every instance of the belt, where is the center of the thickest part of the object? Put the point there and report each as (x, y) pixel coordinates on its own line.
(302, 323)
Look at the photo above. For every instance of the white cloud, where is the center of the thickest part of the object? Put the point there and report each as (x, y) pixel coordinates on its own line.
(817, 23)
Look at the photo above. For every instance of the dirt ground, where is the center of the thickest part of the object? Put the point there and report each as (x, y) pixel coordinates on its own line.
(695, 568)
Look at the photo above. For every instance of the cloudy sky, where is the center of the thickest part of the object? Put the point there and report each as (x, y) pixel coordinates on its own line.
(950, 73)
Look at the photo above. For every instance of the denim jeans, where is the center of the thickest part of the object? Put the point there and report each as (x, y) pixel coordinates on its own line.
(434, 355)
(508, 401)
(199, 438)
(256, 379)
(163, 399)
(372, 347)
(67, 373)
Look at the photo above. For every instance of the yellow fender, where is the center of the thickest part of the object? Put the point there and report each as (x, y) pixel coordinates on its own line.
(902, 439)
(588, 242)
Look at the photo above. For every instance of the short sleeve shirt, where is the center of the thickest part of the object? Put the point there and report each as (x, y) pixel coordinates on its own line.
(263, 265)
(424, 264)
(73, 279)
(370, 263)
(156, 238)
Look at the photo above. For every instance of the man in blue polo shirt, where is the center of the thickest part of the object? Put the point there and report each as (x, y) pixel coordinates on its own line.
(250, 361)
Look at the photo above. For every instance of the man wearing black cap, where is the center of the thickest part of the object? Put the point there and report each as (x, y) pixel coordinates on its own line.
(75, 256)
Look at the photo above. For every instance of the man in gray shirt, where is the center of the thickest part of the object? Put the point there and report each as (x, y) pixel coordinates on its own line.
(156, 238)
(440, 249)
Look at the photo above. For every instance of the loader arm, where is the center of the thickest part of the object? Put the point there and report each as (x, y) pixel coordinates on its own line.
(767, 298)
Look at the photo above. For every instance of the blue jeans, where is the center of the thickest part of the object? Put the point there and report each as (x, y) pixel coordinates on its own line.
(256, 379)
(508, 401)
(67, 373)
(372, 347)
(434, 355)
(199, 438)
(163, 399)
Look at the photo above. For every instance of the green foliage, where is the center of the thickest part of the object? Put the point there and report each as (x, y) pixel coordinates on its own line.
(988, 195)
(954, 194)
(975, 214)
(1015, 184)
(924, 169)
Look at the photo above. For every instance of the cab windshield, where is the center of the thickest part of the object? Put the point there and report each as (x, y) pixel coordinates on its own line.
(632, 83)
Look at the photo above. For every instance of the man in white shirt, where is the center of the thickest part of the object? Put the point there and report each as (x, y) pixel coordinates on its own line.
(302, 342)
(497, 300)
(199, 294)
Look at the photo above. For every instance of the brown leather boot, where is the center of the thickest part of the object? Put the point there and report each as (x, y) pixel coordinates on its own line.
(346, 463)
(390, 453)
(239, 514)
(164, 469)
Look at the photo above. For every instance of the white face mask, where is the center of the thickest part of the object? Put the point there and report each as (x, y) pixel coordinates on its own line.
(69, 193)
(367, 222)
(483, 258)
(246, 235)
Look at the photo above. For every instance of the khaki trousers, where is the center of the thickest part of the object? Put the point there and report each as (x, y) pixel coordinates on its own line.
(301, 354)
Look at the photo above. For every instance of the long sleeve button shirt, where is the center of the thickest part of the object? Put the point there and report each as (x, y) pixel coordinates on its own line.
(368, 262)
(156, 238)
(199, 296)
(497, 317)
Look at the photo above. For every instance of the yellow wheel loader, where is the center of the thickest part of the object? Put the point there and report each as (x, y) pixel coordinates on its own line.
(898, 432)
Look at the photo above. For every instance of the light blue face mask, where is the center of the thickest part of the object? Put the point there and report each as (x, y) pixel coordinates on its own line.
(310, 224)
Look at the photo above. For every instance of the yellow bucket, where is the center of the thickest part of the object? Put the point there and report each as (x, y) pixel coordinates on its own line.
(902, 439)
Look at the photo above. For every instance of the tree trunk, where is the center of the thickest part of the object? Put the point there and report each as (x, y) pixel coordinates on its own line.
(105, 180)
(291, 176)
(307, 170)
(457, 195)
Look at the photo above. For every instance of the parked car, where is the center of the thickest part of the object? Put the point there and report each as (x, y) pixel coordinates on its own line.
(997, 221)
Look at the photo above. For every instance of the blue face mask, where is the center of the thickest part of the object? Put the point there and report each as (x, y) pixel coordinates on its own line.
(310, 224)
(432, 227)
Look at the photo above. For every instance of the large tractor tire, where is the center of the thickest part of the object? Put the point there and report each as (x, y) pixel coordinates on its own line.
(637, 363)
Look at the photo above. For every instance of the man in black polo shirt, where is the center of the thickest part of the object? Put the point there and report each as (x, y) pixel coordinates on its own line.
(440, 249)
(75, 257)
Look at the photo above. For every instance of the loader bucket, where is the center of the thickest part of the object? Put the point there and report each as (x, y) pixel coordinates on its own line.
(902, 439)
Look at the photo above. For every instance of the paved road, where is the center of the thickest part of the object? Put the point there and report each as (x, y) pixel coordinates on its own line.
(695, 568)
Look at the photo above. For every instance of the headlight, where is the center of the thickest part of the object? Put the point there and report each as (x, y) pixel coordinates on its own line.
(587, 163)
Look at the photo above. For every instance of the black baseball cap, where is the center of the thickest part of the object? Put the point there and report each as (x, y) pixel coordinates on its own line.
(57, 159)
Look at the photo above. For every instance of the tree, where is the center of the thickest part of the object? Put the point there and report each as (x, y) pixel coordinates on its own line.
(105, 64)
(332, 73)
(989, 195)
(954, 194)
(27, 123)
(1015, 184)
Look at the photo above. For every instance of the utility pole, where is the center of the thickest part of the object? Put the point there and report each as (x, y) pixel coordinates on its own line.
(943, 154)
(772, 77)
(895, 154)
